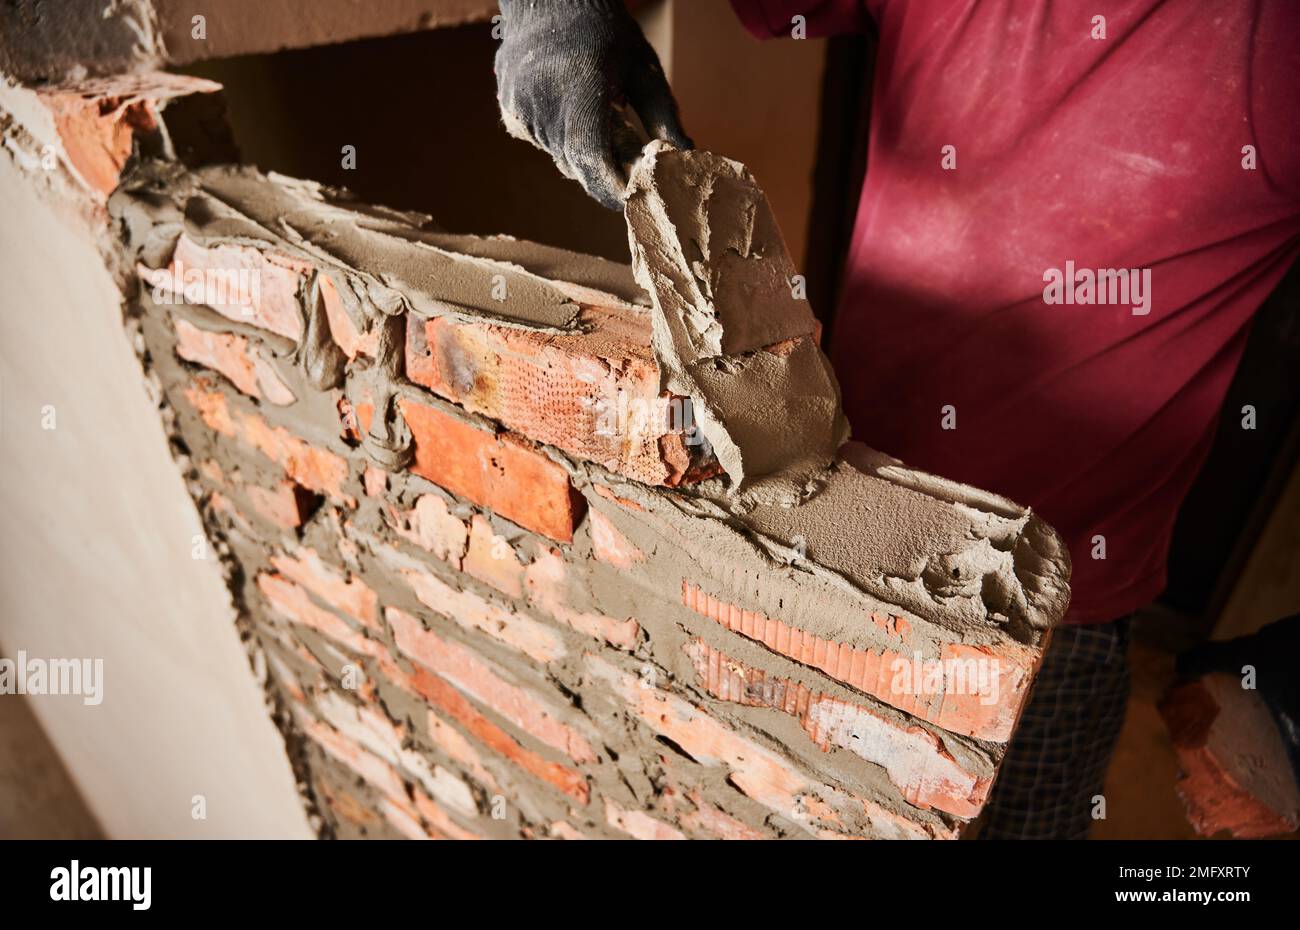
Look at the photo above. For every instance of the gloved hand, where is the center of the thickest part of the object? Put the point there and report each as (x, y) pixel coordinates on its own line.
(567, 70)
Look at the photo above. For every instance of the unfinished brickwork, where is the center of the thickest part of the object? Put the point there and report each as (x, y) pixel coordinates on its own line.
(42, 40)
(496, 583)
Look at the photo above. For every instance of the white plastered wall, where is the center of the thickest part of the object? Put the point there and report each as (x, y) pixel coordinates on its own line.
(96, 560)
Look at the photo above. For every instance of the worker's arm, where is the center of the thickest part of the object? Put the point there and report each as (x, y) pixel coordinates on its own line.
(566, 72)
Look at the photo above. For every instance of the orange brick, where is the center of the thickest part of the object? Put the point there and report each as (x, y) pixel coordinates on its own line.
(479, 680)
(546, 583)
(292, 602)
(594, 393)
(759, 773)
(343, 331)
(373, 770)
(984, 704)
(492, 560)
(370, 728)
(434, 528)
(97, 144)
(609, 545)
(564, 831)
(442, 825)
(258, 290)
(350, 596)
(609, 495)
(288, 505)
(270, 287)
(347, 807)
(318, 469)
(395, 804)
(706, 818)
(442, 695)
(638, 824)
(402, 818)
(374, 480)
(915, 759)
(459, 749)
(244, 365)
(472, 612)
(503, 472)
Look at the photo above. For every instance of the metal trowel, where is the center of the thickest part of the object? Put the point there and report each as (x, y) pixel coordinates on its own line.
(731, 329)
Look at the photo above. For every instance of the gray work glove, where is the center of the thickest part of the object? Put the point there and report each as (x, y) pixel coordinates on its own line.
(567, 73)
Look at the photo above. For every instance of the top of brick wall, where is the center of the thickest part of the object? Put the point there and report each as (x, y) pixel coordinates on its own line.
(417, 320)
(41, 41)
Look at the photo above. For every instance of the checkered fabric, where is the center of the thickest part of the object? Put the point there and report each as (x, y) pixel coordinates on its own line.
(1058, 757)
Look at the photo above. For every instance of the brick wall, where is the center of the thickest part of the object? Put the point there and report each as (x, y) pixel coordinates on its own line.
(488, 574)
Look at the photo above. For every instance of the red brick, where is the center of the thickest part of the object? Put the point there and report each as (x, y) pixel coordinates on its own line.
(503, 472)
(987, 712)
(244, 365)
(915, 759)
(594, 393)
(479, 680)
(318, 469)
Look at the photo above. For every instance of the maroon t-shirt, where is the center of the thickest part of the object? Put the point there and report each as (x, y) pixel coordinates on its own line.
(966, 301)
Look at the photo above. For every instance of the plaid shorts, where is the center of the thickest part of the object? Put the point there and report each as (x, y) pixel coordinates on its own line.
(1056, 763)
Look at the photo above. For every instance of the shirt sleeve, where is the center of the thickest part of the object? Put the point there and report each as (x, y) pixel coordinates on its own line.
(769, 19)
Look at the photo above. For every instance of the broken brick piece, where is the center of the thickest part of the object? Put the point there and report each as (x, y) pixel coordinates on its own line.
(1236, 776)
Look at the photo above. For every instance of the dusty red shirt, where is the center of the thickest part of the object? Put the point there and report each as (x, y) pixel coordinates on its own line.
(1122, 152)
